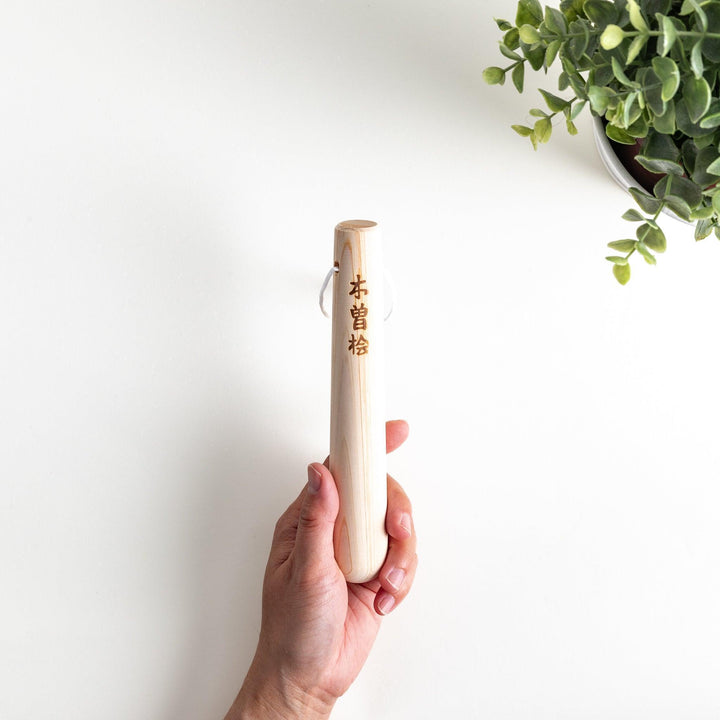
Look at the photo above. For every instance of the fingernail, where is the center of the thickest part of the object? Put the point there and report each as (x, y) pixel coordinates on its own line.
(385, 604)
(406, 523)
(314, 480)
(395, 578)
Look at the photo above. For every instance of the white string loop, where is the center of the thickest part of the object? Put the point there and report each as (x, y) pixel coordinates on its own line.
(330, 273)
(334, 269)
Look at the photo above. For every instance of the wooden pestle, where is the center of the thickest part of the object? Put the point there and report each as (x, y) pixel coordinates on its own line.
(357, 417)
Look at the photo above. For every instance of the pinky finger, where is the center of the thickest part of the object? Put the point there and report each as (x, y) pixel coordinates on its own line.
(386, 602)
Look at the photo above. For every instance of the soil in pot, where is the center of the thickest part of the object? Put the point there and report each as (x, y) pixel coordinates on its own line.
(626, 154)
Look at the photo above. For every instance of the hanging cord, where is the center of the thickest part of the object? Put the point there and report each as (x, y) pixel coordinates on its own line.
(334, 269)
(330, 273)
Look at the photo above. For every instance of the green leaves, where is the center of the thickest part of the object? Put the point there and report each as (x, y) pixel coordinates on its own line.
(652, 237)
(508, 53)
(636, 47)
(600, 12)
(636, 18)
(525, 131)
(623, 246)
(612, 36)
(646, 254)
(555, 21)
(660, 155)
(647, 203)
(649, 237)
(622, 78)
(579, 34)
(522, 130)
(696, 93)
(512, 38)
(543, 129)
(619, 135)
(666, 123)
(667, 71)
(685, 125)
(633, 216)
(652, 89)
(703, 229)
(600, 99)
(651, 70)
(551, 52)
(697, 161)
(555, 103)
(622, 273)
(529, 12)
(696, 60)
(494, 76)
(518, 77)
(529, 35)
(712, 116)
(669, 34)
(540, 133)
(617, 259)
(693, 6)
(711, 43)
(680, 194)
(714, 169)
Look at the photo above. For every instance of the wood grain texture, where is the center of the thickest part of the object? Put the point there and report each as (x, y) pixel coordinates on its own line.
(357, 418)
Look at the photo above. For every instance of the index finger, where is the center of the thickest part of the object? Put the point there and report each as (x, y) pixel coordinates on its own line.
(396, 433)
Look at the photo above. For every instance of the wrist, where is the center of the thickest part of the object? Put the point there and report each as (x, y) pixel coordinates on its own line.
(269, 696)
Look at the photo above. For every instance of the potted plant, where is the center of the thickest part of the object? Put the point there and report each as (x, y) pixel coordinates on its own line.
(648, 71)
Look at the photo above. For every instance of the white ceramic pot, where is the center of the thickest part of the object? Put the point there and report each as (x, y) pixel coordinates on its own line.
(616, 169)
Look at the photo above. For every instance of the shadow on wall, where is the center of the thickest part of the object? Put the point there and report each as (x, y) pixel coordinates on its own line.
(241, 481)
(424, 59)
(238, 472)
(226, 473)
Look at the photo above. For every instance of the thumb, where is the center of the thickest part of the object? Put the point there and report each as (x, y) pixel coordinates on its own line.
(314, 539)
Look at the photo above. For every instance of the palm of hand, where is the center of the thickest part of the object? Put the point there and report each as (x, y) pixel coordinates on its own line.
(356, 634)
(325, 626)
(317, 629)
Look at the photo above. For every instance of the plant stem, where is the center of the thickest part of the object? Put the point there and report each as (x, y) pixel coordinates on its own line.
(634, 33)
(680, 33)
(515, 64)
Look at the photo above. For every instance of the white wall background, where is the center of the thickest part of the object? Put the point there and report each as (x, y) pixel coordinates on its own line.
(170, 176)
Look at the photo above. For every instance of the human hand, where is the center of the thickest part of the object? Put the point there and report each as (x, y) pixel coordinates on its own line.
(317, 629)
